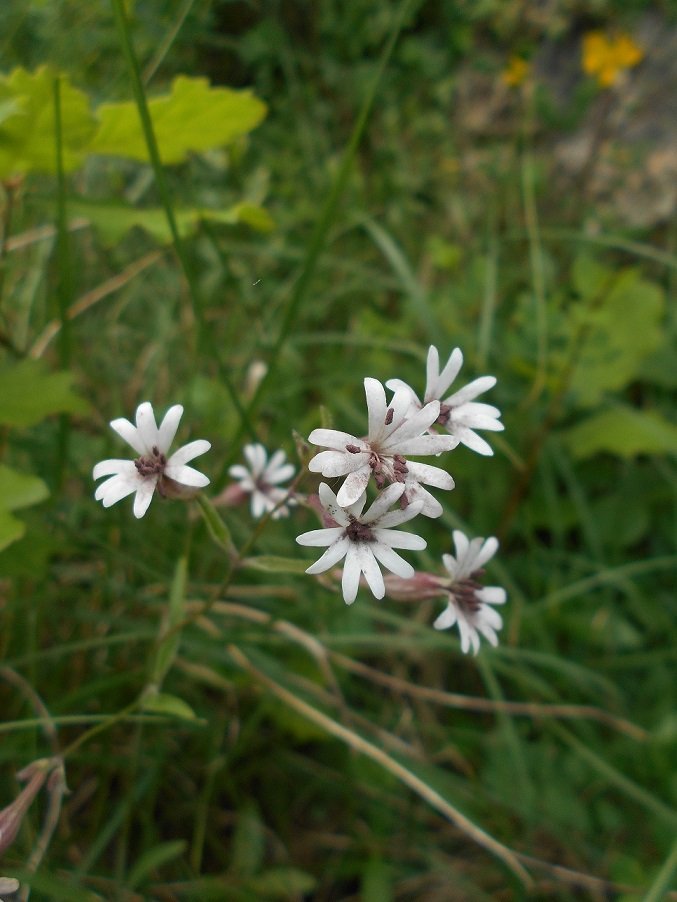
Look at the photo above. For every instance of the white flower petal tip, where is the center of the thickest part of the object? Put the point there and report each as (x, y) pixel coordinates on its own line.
(152, 470)
(261, 479)
(365, 540)
(469, 604)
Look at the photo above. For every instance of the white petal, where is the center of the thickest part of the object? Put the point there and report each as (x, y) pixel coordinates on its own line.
(371, 570)
(116, 488)
(144, 496)
(492, 595)
(168, 427)
(130, 434)
(354, 486)
(255, 456)
(240, 472)
(451, 565)
(260, 504)
(397, 385)
(399, 516)
(385, 499)
(110, 467)
(279, 474)
(430, 475)
(147, 430)
(432, 373)
(471, 390)
(427, 444)
(187, 476)
(486, 552)
(489, 617)
(189, 452)
(473, 441)
(446, 619)
(318, 538)
(395, 539)
(416, 424)
(462, 544)
(392, 561)
(448, 374)
(336, 463)
(331, 556)
(351, 573)
(421, 500)
(331, 505)
(400, 405)
(376, 407)
(332, 438)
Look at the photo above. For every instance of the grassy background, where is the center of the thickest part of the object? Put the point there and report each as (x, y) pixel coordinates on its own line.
(332, 749)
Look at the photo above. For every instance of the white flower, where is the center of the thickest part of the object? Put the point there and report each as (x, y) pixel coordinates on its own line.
(364, 539)
(459, 413)
(395, 431)
(469, 602)
(152, 469)
(261, 480)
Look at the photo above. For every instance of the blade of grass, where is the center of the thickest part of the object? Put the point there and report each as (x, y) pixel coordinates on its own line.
(402, 773)
(318, 238)
(661, 884)
(205, 332)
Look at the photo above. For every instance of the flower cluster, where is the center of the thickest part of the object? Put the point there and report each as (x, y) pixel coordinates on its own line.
(363, 537)
(398, 429)
(607, 58)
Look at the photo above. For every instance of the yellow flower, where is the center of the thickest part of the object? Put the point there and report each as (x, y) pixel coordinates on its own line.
(605, 58)
(516, 72)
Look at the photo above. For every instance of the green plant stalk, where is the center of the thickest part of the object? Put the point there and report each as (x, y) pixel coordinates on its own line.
(318, 239)
(661, 884)
(65, 280)
(138, 90)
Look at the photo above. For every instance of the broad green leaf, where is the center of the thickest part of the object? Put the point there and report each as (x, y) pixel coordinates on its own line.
(29, 393)
(19, 490)
(28, 135)
(113, 221)
(153, 858)
(11, 528)
(622, 431)
(163, 703)
(194, 117)
(618, 320)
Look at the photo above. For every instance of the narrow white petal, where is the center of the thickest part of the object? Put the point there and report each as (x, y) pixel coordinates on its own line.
(401, 407)
(432, 373)
(384, 500)
(351, 573)
(473, 441)
(451, 565)
(415, 425)
(468, 635)
(488, 633)
(355, 510)
(446, 619)
(397, 385)
(492, 595)
(489, 617)
(332, 438)
(427, 444)
(430, 475)
(376, 407)
(471, 390)
(331, 505)
(129, 433)
(189, 452)
(168, 427)
(255, 456)
(395, 539)
(147, 431)
(448, 374)
(260, 504)
(421, 500)
(116, 488)
(336, 463)
(487, 551)
(462, 546)
(371, 570)
(279, 474)
(319, 538)
(354, 486)
(187, 476)
(240, 472)
(399, 515)
(111, 466)
(331, 556)
(392, 561)
(144, 496)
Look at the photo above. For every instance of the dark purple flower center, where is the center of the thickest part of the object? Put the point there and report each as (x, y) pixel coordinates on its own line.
(359, 532)
(152, 464)
(465, 592)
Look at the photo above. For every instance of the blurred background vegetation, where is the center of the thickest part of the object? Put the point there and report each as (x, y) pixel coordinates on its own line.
(512, 193)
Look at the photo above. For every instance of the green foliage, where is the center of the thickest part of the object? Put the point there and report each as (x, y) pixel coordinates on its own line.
(194, 117)
(27, 133)
(17, 490)
(29, 393)
(623, 431)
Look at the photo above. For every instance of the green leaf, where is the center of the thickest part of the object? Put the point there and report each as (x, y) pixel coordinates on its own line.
(619, 321)
(17, 490)
(153, 859)
(280, 883)
(270, 563)
(29, 393)
(194, 117)
(27, 129)
(113, 221)
(170, 635)
(163, 703)
(622, 431)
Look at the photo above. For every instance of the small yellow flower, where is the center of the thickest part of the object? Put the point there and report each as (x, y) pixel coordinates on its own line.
(605, 58)
(516, 72)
